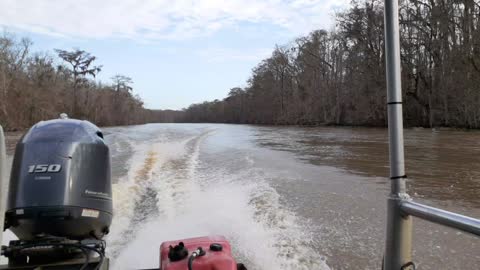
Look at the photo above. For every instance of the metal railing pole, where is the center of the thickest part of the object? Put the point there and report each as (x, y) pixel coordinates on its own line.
(398, 244)
(3, 180)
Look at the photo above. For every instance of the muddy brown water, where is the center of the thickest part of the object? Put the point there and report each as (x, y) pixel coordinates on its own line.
(287, 197)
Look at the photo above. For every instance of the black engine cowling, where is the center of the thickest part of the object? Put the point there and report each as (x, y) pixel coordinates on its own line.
(60, 182)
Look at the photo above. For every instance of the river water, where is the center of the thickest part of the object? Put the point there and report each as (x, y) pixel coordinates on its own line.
(286, 197)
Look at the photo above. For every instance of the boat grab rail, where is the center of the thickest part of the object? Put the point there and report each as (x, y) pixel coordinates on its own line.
(439, 216)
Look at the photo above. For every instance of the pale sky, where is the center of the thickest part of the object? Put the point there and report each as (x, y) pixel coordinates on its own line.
(177, 52)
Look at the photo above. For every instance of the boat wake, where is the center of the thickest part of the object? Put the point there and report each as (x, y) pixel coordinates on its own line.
(170, 192)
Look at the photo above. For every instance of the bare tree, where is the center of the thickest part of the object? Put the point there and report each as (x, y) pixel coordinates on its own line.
(327, 77)
(81, 63)
(29, 81)
(337, 77)
(122, 83)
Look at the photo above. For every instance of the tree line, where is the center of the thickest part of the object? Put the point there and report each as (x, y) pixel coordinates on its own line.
(334, 77)
(39, 86)
(337, 77)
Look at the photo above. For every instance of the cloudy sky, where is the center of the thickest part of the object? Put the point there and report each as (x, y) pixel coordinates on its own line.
(177, 52)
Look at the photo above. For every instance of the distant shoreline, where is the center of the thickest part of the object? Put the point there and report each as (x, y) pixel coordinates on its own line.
(438, 128)
(12, 137)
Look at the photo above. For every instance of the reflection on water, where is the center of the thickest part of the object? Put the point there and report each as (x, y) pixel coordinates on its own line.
(441, 165)
(349, 208)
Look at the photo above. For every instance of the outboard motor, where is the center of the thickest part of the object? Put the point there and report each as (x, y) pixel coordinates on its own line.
(60, 182)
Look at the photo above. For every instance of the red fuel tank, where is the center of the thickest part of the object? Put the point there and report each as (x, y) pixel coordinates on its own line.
(218, 254)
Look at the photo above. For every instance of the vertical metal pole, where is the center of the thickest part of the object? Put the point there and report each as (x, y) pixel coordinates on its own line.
(3, 180)
(398, 244)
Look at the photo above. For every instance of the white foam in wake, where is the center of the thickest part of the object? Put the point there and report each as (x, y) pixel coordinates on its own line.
(193, 202)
